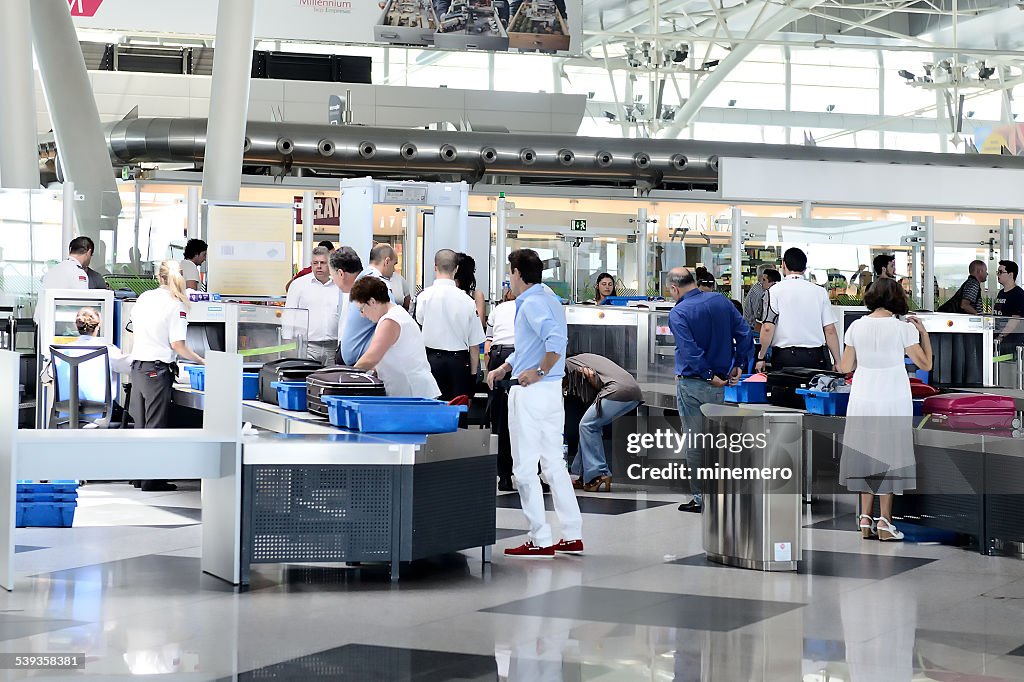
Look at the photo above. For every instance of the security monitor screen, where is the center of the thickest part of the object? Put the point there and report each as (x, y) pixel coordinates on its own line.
(70, 315)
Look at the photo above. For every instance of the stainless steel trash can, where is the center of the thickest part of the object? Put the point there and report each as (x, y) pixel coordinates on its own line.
(755, 523)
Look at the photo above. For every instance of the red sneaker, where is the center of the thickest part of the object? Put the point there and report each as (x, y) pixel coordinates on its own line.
(568, 547)
(530, 551)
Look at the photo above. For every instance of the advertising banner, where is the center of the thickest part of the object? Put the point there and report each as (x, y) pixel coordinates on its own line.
(549, 26)
(326, 211)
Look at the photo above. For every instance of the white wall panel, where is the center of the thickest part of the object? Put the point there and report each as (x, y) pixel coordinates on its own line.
(117, 92)
(870, 184)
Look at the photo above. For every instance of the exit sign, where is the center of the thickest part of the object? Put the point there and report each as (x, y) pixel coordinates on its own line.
(578, 226)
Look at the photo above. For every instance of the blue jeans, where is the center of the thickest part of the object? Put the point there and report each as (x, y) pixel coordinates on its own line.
(590, 461)
(690, 395)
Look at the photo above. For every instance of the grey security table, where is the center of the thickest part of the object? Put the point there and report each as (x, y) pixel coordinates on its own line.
(311, 492)
(366, 498)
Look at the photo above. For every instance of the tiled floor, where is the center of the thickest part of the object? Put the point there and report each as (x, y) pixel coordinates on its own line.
(124, 587)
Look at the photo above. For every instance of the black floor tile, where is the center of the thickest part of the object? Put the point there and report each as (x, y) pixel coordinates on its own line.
(18, 549)
(836, 564)
(188, 512)
(505, 533)
(1019, 651)
(366, 663)
(588, 505)
(142, 575)
(841, 522)
(16, 627)
(652, 609)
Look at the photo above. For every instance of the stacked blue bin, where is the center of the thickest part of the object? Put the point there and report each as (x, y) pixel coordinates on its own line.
(47, 505)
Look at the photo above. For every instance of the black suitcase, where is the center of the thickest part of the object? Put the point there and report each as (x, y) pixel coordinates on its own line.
(782, 385)
(339, 380)
(286, 369)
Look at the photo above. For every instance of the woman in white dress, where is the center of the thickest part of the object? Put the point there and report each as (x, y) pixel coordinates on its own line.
(396, 350)
(878, 443)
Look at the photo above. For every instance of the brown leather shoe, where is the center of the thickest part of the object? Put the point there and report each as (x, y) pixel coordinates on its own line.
(600, 482)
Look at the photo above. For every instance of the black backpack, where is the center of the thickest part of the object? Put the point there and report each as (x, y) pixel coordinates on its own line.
(953, 304)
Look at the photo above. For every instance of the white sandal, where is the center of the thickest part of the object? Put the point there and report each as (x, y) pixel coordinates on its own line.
(888, 532)
(867, 531)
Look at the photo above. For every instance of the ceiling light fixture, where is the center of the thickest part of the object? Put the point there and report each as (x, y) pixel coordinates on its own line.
(824, 41)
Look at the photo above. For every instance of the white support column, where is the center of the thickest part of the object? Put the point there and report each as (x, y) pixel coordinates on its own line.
(409, 248)
(356, 208)
(881, 98)
(736, 223)
(1018, 240)
(928, 294)
(67, 223)
(81, 144)
(915, 272)
(19, 165)
(307, 228)
(9, 364)
(1004, 238)
(641, 251)
(500, 257)
(788, 63)
(229, 100)
(192, 217)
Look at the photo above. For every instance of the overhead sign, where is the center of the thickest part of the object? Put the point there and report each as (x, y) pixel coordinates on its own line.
(578, 226)
(326, 211)
(550, 26)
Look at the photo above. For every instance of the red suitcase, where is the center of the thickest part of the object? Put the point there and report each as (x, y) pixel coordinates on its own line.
(972, 411)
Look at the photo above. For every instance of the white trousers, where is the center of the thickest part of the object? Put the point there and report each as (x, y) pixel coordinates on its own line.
(536, 418)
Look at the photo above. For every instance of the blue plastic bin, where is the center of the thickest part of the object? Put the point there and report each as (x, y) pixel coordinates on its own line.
(47, 497)
(250, 381)
(750, 392)
(291, 395)
(921, 374)
(829, 404)
(250, 386)
(622, 300)
(196, 376)
(45, 514)
(393, 415)
(63, 486)
(919, 407)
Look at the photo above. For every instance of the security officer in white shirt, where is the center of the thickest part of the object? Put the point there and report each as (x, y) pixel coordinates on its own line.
(159, 331)
(797, 321)
(451, 329)
(69, 274)
(317, 293)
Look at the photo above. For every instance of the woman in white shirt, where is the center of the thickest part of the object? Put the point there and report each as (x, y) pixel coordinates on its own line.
(878, 442)
(500, 342)
(158, 340)
(396, 350)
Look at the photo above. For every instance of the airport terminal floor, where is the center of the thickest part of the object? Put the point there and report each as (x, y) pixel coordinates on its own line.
(124, 587)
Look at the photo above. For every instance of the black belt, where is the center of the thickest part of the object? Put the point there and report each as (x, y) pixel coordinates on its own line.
(447, 352)
(501, 347)
(694, 378)
(154, 363)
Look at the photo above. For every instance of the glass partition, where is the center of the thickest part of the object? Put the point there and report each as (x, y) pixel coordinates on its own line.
(266, 332)
(556, 255)
(30, 243)
(1009, 352)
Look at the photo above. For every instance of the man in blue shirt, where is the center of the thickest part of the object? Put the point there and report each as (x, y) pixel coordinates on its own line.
(713, 345)
(536, 414)
(358, 331)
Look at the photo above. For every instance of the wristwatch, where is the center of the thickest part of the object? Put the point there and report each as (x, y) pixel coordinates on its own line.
(540, 372)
